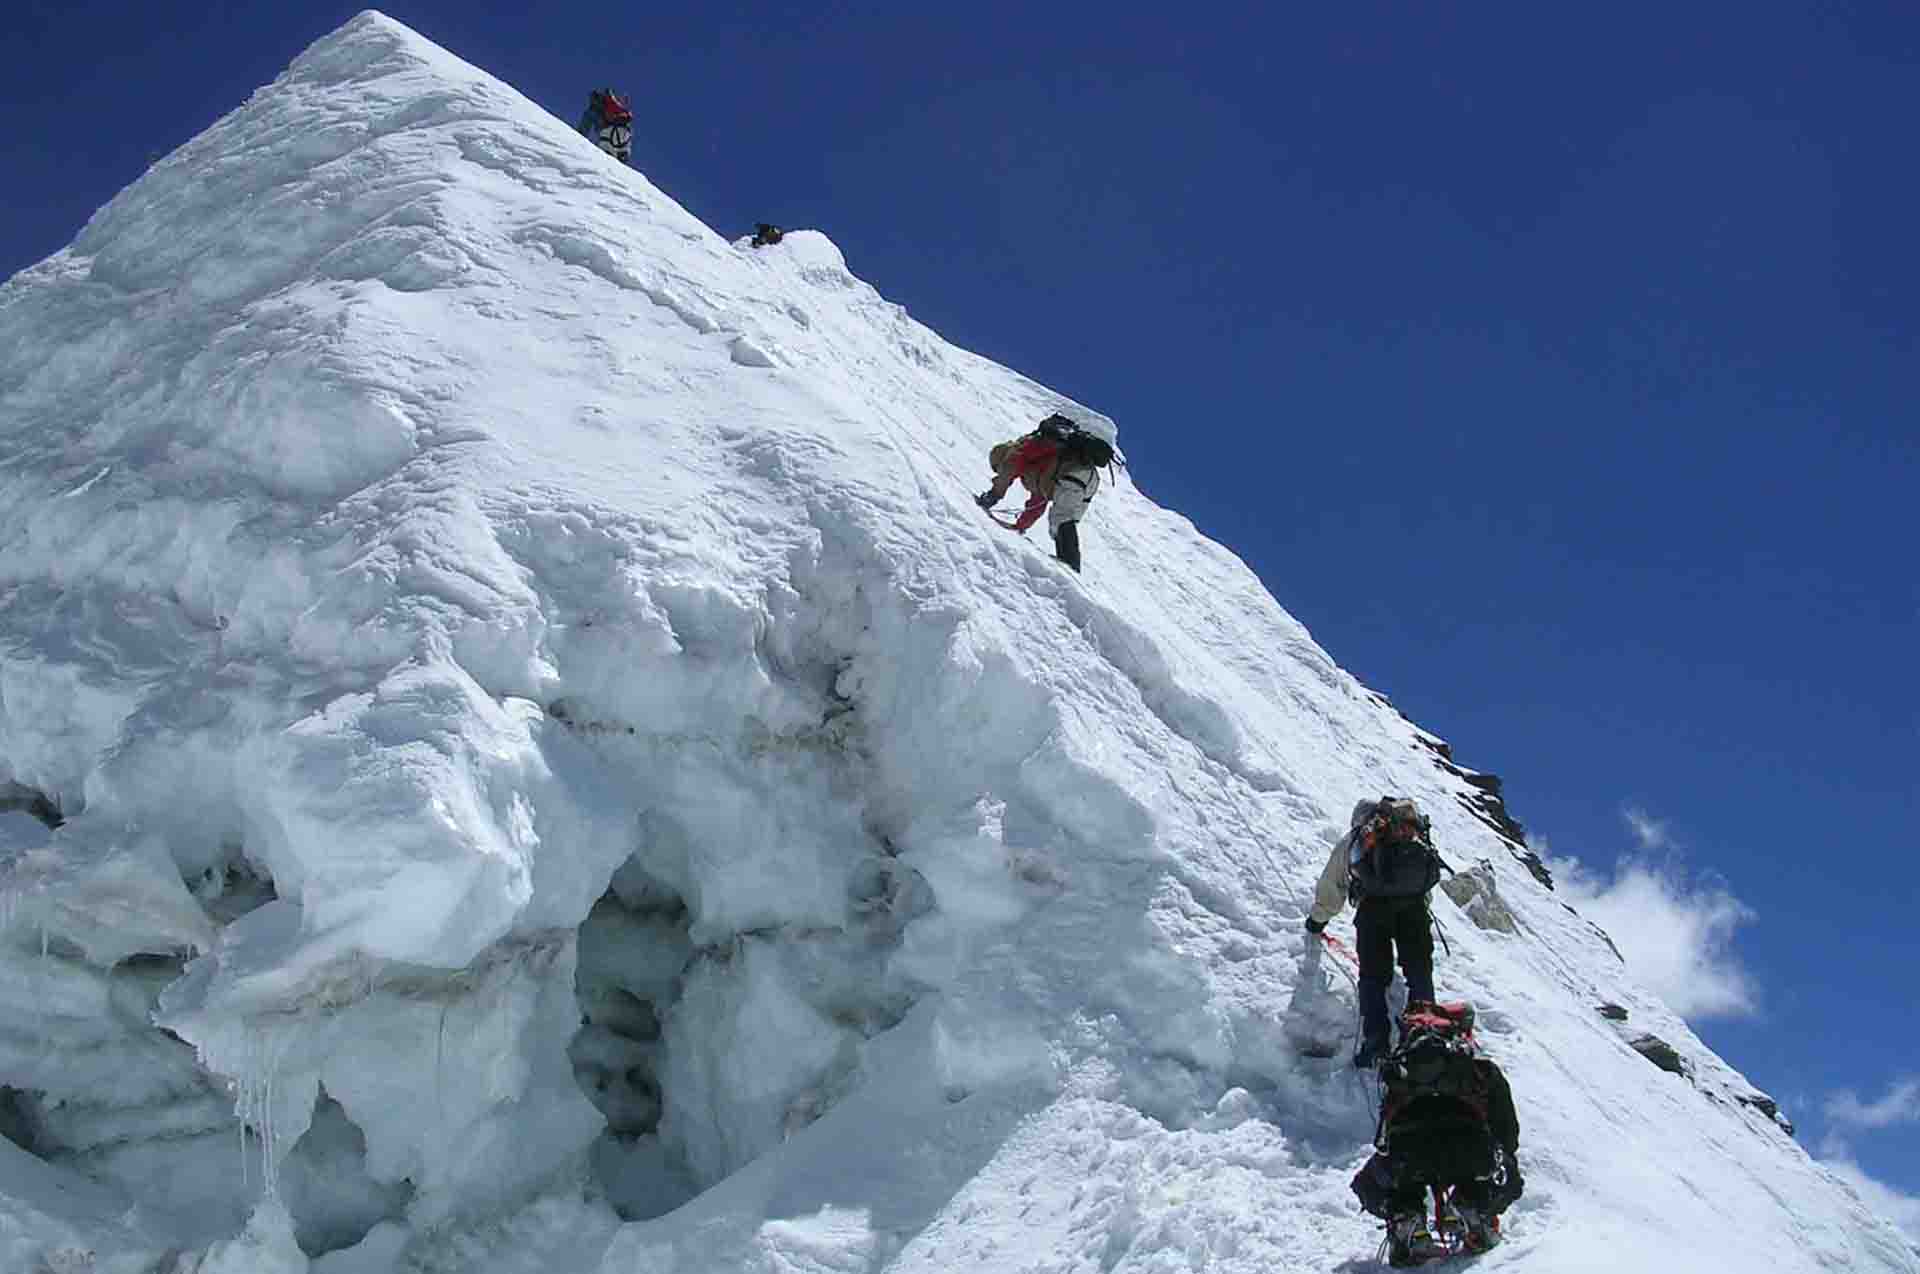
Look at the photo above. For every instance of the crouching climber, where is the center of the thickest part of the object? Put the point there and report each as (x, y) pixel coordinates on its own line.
(1447, 1124)
(1387, 865)
(608, 120)
(1059, 463)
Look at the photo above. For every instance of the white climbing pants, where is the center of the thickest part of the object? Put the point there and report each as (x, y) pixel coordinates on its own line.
(1072, 492)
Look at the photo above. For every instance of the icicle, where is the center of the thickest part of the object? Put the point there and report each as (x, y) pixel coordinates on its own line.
(439, 1071)
(243, 1103)
(270, 1166)
(268, 1048)
(254, 1094)
(241, 1124)
(43, 997)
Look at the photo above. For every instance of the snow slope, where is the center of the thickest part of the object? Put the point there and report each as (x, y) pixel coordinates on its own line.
(552, 772)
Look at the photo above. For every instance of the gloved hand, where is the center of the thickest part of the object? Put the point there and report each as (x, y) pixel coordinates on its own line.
(986, 500)
(1316, 927)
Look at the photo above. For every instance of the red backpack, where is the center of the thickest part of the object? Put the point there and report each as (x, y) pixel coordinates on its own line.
(1452, 1021)
(612, 107)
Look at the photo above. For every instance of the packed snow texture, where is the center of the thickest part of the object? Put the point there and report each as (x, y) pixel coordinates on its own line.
(520, 753)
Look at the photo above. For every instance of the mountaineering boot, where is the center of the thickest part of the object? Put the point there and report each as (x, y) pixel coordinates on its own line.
(1409, 1242)
(1066, 544)
(1372, 1052)
(1478, 1230)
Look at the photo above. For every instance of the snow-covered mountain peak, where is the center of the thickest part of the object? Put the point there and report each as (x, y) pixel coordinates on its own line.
(539, 762)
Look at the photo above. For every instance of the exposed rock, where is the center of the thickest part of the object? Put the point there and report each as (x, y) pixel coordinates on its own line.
(1606, 938)
(1531, 861)
(1660, 1053)
(1768, 1107)
(1439, 747)
(1597, 931)
(1475, 892)
(1486, 804)
(1613, 1012)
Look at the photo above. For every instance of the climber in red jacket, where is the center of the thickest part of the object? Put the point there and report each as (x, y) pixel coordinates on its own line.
(1060, 463)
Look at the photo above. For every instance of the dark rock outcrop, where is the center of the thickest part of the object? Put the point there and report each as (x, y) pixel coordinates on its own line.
(1768, 1107)
(1487, 802)
(1660, 1053)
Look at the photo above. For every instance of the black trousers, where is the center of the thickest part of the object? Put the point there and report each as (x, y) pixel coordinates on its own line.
(1380, 925)
(1066, 544)
(1463, 1160)
(1482, 1176)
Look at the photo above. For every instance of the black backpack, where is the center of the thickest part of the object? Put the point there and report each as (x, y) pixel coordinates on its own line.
(1078, 447)
(1392, 854)
(1433, 1083)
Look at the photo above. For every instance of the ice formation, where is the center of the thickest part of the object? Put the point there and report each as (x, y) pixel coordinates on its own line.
(520, 753)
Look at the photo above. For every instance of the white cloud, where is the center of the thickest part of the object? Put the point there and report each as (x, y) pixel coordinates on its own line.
(1895, 1205)
(1675, 932)
(1651, 833)
(1901, 1105)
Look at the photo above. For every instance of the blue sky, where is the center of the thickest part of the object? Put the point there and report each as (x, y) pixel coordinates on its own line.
(1557, 367)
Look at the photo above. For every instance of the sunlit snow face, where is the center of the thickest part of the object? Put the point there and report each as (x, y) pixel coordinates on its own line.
(453, 504)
